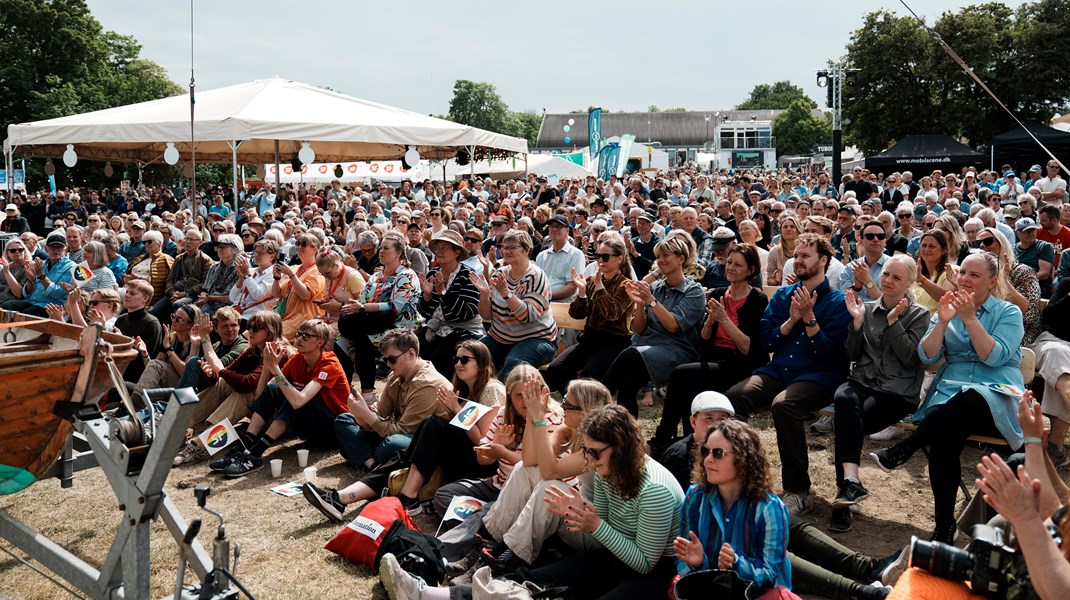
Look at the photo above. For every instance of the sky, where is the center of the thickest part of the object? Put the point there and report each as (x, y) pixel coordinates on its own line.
(548, 54)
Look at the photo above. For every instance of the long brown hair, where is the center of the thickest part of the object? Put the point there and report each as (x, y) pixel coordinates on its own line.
(485, 370)
(941, 240)
(752, 466)
(614, 426)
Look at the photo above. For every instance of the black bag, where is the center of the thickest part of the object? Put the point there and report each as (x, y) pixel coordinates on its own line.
(419, 553)
(712, 583)
(357, 324)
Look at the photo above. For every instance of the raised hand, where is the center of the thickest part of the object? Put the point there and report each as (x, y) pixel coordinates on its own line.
(579, 515)
(1015, 498)
(1030, 416)
(893, 315)
(536, 397)
(965, 305)
(498, 280)
(578, 280)
(689, 550)
(855, 308)
(55, 312)
(946, 309)
(716, 312)
(805, 300)
(448, 399)
(480, 282)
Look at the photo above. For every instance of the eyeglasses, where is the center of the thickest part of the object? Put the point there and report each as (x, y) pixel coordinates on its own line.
(462, 360)
(594, 453)
(511, 248)
(905, 216)
(170, 221)
(178, 319)
(567, 407)
(305, 336)
(255, 328)
(988, 241)
(436, 214)
(303, 244)
(393, 360)
(873, 236)
(219, 231)
(717, 453)
(605, 256)
(96, 302)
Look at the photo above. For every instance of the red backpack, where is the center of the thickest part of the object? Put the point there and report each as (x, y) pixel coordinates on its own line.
(359, 541)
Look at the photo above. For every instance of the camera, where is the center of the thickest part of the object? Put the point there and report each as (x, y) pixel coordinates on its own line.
(987, 562)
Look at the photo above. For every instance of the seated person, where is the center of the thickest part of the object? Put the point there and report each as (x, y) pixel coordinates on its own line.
(221, 277)
(708, 409)
(252, 291)
(450, 303)
(153, 266)
(626, 532)
(139, 324)
(369, 435)
(436, 442)
(48, 277)
(307, 394)
(176, 347)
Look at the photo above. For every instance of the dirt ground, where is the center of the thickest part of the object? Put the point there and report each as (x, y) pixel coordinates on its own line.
(282, 538)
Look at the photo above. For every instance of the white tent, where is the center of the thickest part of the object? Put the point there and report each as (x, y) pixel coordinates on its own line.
(539, 164)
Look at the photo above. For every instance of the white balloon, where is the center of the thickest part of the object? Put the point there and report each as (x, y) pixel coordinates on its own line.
(108, 170)
(572, 121)
(306, 154)
(50, 169)
(412, 157)
(70, 157)
(170, 155)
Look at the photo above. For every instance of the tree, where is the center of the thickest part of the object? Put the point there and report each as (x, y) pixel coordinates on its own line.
(526, 125)
(478, 104)
(777, 96)
(798, 130)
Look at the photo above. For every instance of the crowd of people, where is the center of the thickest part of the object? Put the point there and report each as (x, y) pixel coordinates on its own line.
(362, 318)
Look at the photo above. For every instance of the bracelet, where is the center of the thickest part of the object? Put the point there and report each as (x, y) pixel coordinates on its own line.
(539, 424)
(1031, 440)
(281, 379)
(276, 278)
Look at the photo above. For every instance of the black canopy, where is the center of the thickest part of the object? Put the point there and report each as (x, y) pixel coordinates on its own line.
(1017, 149)
(921, 154)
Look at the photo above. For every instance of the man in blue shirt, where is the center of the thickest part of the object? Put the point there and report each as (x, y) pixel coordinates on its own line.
(805, 327)
(49, 278)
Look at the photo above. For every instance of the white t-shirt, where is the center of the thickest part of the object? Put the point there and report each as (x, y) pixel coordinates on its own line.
(1048, 185)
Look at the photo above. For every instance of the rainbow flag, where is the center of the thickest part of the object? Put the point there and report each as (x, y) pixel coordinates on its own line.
(81, 274)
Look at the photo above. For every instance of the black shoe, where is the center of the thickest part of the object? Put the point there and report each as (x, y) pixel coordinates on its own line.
(869, 592)
(220, 464)
(946, 533)
(507, 562)
(243, 465)
(851, 492)
(882, 564)
(412, 505)
(890, 458)
(326, 500)
(841, 520)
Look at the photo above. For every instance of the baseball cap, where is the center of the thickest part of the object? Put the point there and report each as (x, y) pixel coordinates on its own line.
(920, 211)
(647, 216)
(139, 224)
(11, 207)
(722, 236)
(1034, 169)
(56, 238)
(707, 401)
(1025, 223)
(1012, 211)
(558, 220)
(1009, 173)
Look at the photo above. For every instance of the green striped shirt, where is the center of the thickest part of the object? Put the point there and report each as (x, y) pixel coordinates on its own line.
(640, 531)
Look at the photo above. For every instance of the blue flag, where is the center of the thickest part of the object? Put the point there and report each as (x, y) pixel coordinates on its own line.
(594, 131)
(607, 164)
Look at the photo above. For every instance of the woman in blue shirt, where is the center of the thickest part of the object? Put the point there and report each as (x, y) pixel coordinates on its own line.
(978, 335)
(730, 519)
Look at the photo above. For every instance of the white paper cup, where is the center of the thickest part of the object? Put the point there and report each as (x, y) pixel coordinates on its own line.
(302, 458)
(276, 468)
(310, 475)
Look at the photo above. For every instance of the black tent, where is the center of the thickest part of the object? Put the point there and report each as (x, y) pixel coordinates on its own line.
(922, 154)
(1017, 149)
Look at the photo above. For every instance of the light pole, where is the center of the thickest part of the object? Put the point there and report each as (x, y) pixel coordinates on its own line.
(706, 141)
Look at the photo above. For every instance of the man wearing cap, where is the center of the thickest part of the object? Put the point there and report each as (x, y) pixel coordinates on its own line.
(134, 247)
(723, 239)
(559, 259)
(708, 409)
(49, 276)
(1051, 189)
(13, 221)
(1030, 251)
(641, 244)
(1008, 192)
(845, 238)
(1035, 173)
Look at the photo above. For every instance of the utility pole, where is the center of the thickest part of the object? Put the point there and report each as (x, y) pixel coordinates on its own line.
(833, 79)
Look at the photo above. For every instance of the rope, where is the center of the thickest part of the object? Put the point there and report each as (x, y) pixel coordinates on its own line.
(54, 581)
(969, 71)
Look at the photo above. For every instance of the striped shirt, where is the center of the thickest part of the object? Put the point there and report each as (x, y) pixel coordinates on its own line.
(533, 319)
(640, 531)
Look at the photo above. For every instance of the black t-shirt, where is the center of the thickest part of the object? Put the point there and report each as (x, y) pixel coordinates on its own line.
(678, 457)
(862, 189)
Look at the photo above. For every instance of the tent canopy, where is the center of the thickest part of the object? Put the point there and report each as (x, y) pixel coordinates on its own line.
(924, 153)
(1017, 148)
(340, 128)
(539, 164)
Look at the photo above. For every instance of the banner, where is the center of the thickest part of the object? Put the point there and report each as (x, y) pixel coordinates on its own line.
(573, 157)
(381, 170)
(18, 178)
(626, 142)
(607, 161)
(469, 415)
(52, 184)
(594, 130)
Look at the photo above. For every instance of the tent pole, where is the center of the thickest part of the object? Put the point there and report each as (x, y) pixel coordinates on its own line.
(9, 165)
(992, 158)
(525, 166)
(472, 162)
(140, 183)
(278, 173)
(234, 165)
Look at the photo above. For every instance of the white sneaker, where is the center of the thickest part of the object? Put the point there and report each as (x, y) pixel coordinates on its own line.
(888, 434)
(797, 504)
(399, 584)
(825, 424)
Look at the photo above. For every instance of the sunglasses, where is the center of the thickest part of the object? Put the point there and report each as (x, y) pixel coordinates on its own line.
(305, 336)
(594, 453)
(473, 240)
(988, 241)
(305, 245)
(15, 250)
(219, 231)
(178, 319)
(718, 453)
(873, 236)
(255, 328)
(604, 257)
(567, 407)
(905, 216)
(462, 360)
(96, 302)
(393, 360)
(436, 214)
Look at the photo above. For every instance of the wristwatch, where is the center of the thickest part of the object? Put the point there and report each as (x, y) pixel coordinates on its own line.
(811, 323)
(653, 303)
(869, 285)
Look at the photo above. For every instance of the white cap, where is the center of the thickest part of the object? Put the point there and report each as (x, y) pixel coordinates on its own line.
(707, 401)
(11, 207)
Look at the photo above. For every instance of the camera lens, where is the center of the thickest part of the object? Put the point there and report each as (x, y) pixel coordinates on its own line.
(942, 560)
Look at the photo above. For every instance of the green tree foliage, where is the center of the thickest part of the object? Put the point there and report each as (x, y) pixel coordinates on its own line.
(478, 104)
(906, 83)
(778, 96)
(798, 130)
(526, 125)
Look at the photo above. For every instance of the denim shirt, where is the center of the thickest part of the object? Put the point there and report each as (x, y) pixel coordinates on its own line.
(53, 294)
(821, 359)
(964, 370)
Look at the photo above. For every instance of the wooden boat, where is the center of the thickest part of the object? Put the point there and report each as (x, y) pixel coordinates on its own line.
(43, 362)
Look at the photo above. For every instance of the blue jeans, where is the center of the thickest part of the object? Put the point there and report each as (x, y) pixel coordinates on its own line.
(358, 445)
(192, 376)
(535, 352)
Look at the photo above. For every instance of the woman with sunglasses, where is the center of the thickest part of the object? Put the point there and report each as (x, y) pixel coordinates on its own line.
(298, 290)
(388, 301)
(520, 520)
(730, 520)
(603, 301)
(175, 349)
(15, 265)
(624, 534)
(667, 314)
(1023, 287)
(978, 336)
(102, 308)
(450, 303)
(436, 445)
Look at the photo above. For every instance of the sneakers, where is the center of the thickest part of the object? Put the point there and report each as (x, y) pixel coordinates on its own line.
(888, 434)
(890, 458)
(399, 584)
(851, 492)
(412, 505)
(888, 569)
(873, 591)
(797, 504)
(1058, 456)
(326, 500)
(242, 465)
(191, 453)
(824, 424)
(220, 464)
(841, 521)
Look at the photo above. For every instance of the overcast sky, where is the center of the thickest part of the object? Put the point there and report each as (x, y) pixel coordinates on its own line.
(552, 54)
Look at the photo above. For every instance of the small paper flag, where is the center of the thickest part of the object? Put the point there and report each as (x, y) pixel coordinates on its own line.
(462, 507)
(469, 415)
(81, 275)
(288, 490)
(218, 436)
